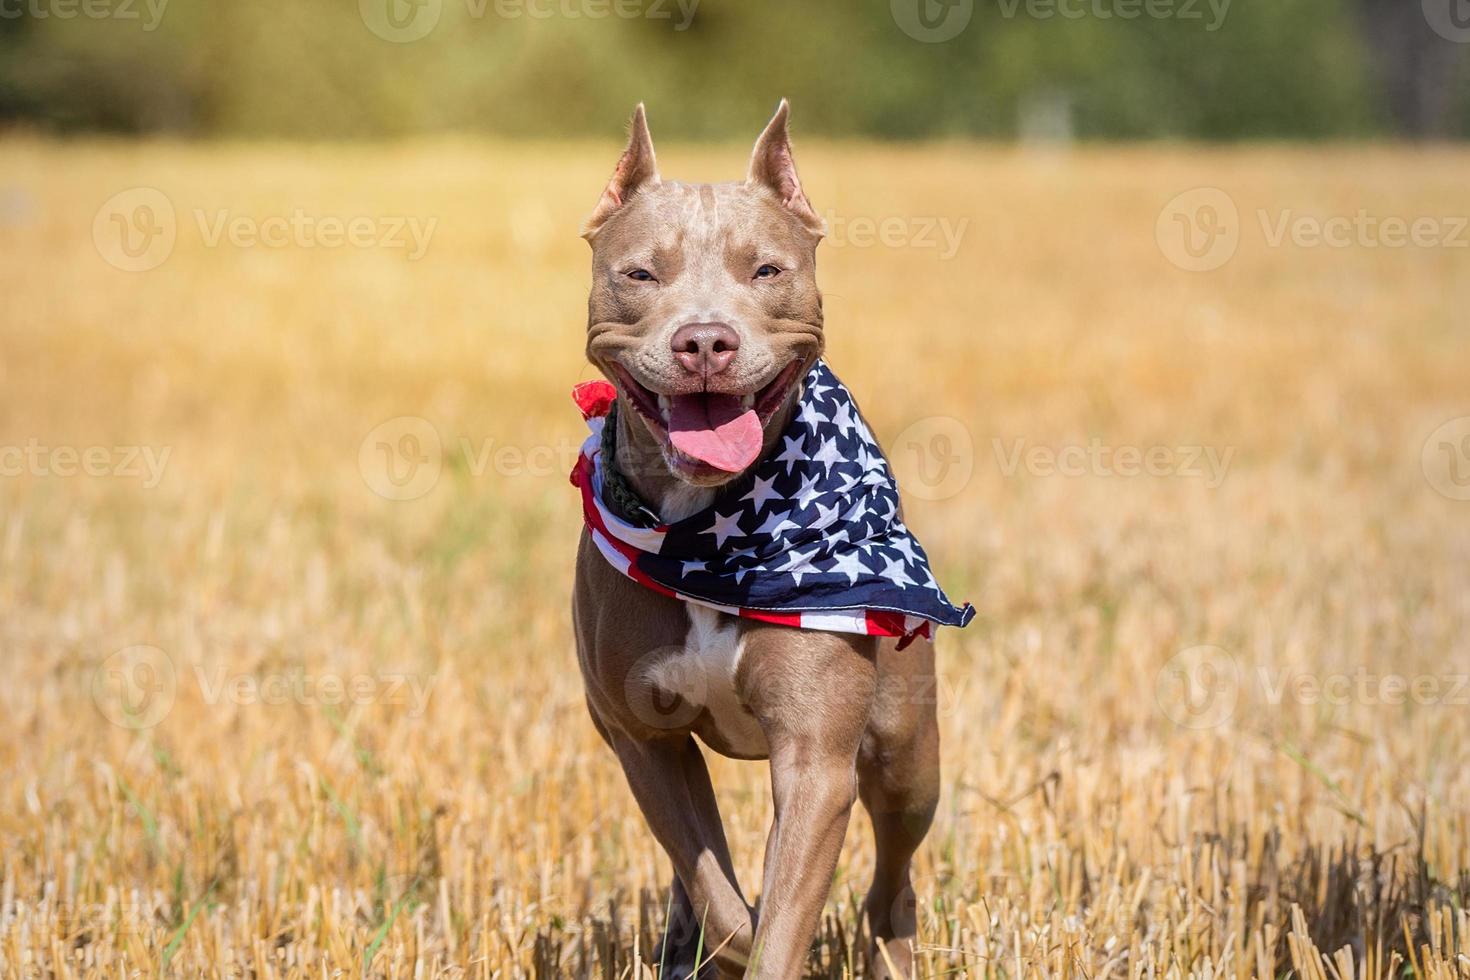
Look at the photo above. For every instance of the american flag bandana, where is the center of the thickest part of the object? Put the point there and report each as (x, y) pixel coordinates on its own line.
(809, 537)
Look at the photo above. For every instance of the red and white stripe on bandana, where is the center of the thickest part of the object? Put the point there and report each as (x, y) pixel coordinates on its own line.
(808, 538)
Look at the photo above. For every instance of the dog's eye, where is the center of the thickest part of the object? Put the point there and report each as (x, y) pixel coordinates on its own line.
(767, 272)
(641, 275)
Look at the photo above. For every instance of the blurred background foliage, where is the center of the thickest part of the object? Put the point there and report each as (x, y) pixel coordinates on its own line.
(1266, 69)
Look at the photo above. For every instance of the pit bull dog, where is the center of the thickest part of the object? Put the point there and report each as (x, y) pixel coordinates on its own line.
(705, 315)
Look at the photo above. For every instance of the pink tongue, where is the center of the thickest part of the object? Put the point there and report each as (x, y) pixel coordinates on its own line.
(716, 430)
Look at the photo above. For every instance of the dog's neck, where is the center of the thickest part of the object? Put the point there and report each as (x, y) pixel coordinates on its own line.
(640, 461)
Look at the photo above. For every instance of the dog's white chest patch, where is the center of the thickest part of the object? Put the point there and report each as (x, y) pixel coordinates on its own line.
(704, 674)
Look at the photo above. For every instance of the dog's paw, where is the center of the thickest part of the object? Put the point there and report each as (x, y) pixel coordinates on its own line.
(679, 965)
(685, 971)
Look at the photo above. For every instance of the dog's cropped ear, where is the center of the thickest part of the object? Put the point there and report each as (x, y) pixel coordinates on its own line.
(773, 166)
(637, 169)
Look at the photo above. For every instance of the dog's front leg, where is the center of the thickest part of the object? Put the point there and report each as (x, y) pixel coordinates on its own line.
(814, 798)
(669, 779)
(811, 693)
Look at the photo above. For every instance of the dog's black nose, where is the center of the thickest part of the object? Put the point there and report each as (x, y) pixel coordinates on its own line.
(705, 348)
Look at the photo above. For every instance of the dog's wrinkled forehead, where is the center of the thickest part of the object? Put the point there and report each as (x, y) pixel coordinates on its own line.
(678, 219)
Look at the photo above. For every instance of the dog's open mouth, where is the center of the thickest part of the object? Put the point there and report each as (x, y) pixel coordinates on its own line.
(721, 431)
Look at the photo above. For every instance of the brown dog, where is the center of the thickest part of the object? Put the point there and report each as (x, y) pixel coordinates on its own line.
(708, 292)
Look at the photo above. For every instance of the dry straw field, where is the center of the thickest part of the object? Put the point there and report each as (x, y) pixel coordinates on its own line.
(261, 718)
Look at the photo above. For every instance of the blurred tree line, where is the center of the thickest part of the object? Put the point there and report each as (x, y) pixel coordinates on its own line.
(1256, 69)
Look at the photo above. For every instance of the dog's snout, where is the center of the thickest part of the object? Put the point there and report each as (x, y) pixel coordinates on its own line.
(705, 348)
